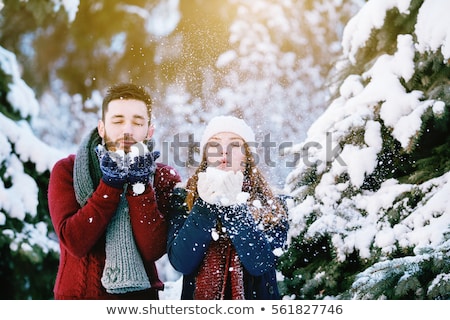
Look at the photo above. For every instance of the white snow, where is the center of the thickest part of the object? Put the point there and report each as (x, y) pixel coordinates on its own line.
(432, 27)
(20, 96)
(160, 19)
(19, 196)
(70, 6)
(401, 111)
(371, 16)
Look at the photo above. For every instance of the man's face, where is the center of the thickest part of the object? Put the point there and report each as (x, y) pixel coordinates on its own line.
(126, 123)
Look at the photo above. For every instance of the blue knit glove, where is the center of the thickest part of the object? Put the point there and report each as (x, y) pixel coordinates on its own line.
(111, 165)
(140, 169)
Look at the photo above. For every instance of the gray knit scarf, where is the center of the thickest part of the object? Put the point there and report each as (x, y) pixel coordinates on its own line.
(124, 270)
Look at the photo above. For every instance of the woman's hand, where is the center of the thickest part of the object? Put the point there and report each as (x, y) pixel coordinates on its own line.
(221, 187)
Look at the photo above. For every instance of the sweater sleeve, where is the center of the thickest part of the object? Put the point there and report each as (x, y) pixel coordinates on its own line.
(79, 228)
(165, 181)
(148, 214)
(189, 235)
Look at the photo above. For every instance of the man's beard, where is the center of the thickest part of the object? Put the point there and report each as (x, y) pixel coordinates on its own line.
(115, 145)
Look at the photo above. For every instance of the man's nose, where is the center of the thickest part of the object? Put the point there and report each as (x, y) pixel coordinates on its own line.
(128, 128)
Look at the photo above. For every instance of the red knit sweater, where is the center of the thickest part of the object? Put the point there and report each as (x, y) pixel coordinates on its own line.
(81, 231)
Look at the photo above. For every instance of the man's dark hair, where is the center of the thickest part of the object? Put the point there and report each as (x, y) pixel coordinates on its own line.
(127, 91)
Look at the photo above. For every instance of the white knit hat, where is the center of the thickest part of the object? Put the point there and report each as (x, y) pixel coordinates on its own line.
(228, 124)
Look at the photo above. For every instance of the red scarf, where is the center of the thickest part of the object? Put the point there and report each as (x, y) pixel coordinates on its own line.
(221, 275)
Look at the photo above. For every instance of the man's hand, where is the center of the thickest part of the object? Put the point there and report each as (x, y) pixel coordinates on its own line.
(141, 168)
(111, 165)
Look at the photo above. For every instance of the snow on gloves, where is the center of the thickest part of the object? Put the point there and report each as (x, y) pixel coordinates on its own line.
(135, 167)
(112, 167)
(217, 186)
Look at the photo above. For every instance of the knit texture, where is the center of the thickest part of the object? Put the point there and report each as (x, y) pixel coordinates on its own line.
(112, 167)
(124, 270)
(86, 172)
(221, 275)
(228, 124)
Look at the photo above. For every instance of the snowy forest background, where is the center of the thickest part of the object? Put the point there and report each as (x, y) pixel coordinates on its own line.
(350, 97)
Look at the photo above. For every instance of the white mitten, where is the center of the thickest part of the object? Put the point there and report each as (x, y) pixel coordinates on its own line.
(221, 187)
(230, 190)
(207, 186)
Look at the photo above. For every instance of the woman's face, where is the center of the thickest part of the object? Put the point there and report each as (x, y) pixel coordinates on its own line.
(226, 151)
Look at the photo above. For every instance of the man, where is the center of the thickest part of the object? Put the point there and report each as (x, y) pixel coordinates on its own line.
(108, 205)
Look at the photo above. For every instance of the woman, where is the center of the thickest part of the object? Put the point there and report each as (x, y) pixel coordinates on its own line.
(228, 225)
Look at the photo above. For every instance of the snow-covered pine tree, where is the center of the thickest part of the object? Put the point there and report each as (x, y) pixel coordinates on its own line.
(29, 252)
(371, 215)
(274, 73)
(29, 256)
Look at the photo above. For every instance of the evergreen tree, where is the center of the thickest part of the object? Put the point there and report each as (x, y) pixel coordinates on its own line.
(29, 251)
(265, 62)
(370, 219)
(275, 70)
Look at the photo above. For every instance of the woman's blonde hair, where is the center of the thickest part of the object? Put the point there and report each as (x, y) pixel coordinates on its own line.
(268, 211)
